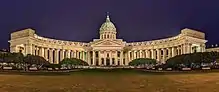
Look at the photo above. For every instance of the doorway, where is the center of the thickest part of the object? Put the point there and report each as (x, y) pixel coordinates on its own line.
(107, 62)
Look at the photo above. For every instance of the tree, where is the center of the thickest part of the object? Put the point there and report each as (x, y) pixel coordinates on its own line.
(72, 62)
(143, 62)
(35, 60)
(11, 57)
(193, 59)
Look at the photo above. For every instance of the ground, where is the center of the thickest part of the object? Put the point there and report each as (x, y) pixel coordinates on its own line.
(111, 82)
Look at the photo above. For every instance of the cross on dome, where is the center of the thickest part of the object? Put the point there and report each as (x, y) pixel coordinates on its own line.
(107, 17)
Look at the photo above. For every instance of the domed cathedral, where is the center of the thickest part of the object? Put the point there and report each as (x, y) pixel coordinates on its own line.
(107, 50)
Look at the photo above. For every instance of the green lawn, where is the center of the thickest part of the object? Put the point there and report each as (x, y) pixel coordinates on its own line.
(110, 81)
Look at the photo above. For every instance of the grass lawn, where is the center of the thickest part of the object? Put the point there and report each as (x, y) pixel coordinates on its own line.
(111, 81)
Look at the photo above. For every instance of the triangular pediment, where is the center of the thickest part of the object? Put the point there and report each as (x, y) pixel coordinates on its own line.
(107, 43)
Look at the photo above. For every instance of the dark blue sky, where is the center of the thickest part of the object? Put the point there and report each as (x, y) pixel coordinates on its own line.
(136, 20)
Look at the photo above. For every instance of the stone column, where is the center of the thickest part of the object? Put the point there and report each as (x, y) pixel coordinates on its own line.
(132, 55)
(56, 61)
(173, 51)
(105, 56)
(68, 53)
(33, 50)
(81, 55)
(62, 54)
(147, 53)
(110, 55)
(46, 54)
(141, 54)
(135, 56)
(121, 57)
(158, 55)
(88, 57)
(99, 58)
(190, 48)
(71, 54)
(184, 49)
(116, 57)
(78, 54)
(41, 52)
(181, 50)
(85, 55)
(28, 49)
(153, 54)
(51, 56)
(169, 53)
(164, 55)
(36, 51)
(75, 53)
(126, 59)
(94, 58)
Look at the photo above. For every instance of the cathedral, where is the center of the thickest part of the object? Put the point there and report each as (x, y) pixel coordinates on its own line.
(108, 49)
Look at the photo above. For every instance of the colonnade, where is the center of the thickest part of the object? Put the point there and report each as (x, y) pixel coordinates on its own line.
(56, 55)
(162, 54)
(110, 57)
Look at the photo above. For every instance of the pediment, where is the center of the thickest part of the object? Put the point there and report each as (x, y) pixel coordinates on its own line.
(107, 43)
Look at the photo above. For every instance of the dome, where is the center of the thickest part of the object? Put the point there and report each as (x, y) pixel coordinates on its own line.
(108, 25)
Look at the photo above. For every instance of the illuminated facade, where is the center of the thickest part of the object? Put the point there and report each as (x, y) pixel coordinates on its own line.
(107, 50)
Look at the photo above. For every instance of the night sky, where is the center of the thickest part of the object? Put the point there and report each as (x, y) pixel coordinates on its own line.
(136, 20)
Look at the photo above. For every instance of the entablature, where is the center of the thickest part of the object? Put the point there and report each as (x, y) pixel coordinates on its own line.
(59, 42)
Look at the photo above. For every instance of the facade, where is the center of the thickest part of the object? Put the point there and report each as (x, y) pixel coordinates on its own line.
(107, 50)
